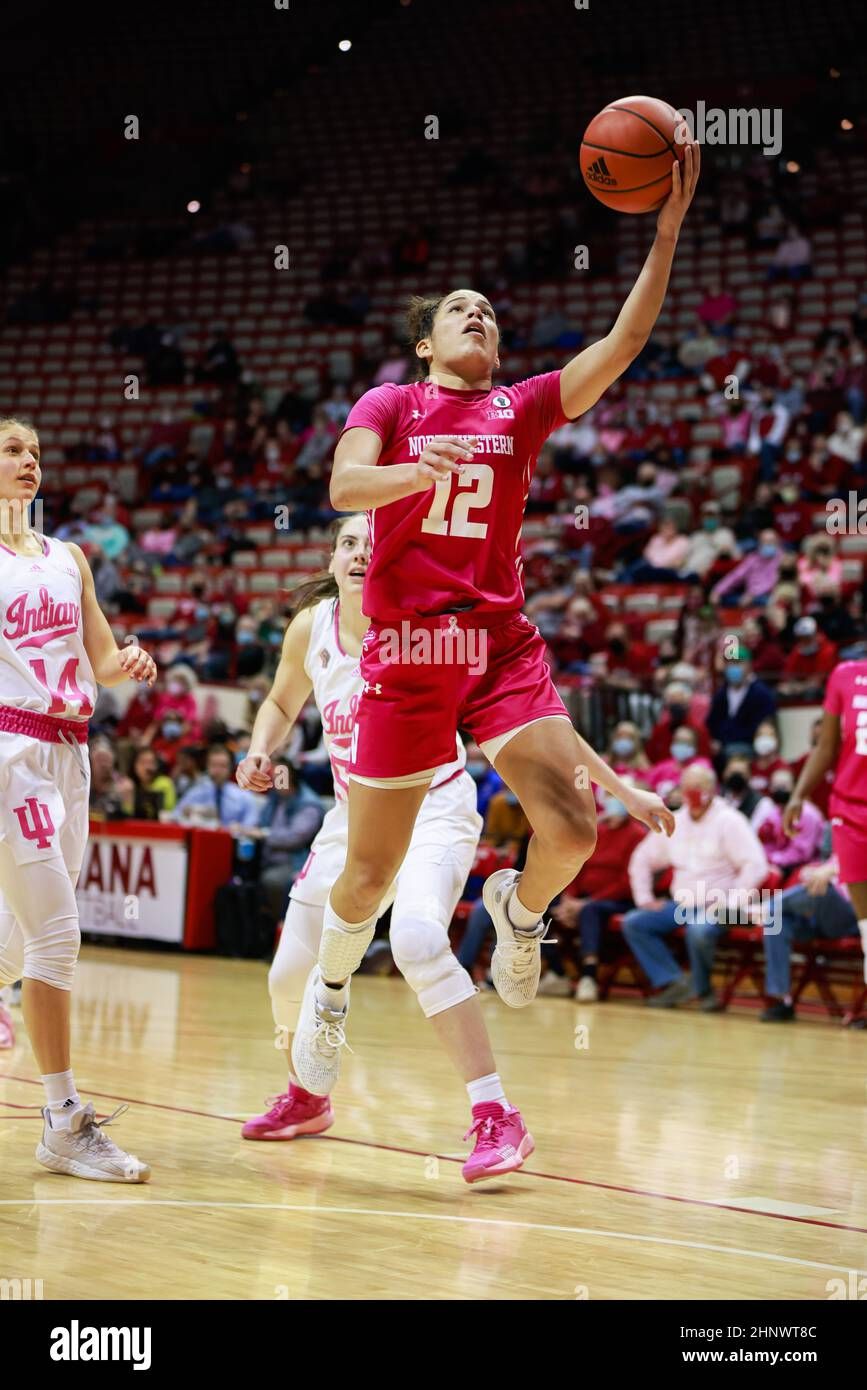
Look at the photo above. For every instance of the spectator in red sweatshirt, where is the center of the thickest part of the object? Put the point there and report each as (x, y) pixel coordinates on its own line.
(597, 894)
(810, 661)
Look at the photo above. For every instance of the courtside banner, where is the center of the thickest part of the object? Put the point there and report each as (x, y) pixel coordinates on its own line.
(134, 885)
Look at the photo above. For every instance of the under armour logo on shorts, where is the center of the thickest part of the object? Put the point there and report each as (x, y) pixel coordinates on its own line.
(42, 827)
(372, 689)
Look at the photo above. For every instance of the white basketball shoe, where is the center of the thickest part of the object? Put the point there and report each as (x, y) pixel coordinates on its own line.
(517, 960)
(319, 1039)
(83, 1150)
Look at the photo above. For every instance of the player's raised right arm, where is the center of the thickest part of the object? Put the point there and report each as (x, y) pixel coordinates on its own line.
(280, 708)
(359, 484)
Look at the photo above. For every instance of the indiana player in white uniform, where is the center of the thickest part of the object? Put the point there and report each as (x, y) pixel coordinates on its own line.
(321, 653)
(55, 646)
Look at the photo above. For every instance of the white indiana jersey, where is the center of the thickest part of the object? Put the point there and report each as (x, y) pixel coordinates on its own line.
(337, 685)
(43, 664)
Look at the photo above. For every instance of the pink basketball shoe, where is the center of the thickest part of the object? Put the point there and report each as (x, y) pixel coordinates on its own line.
(293, 1113)
(503, 1142)
(7, 1029)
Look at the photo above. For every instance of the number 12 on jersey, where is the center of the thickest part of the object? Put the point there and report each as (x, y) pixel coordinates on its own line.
(479, 476)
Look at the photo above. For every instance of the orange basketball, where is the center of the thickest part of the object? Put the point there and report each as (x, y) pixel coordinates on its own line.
(628, 151)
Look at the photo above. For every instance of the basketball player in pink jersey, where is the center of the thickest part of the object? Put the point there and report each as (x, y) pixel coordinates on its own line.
(55, 645)
(321, 653)
(842, 744)
(443, 467)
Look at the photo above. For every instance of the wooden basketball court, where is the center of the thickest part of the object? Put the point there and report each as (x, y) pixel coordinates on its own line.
(678, 1155)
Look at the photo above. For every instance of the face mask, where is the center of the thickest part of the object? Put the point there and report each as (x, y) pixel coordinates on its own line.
(623, 747)
(682, 751)
(171, 729)
(765, 745)
(735, 675)
(736, 784)
(176, 688)
(617, 646)
(202, 611)
(768, 551)
(677, 712)
(780, 795)
(696, 798)
(808, 648)
(711, 523)
(510, 798)
(243, 638)
(613, 807)
(789, 494)
(255, 697)
(477, 769)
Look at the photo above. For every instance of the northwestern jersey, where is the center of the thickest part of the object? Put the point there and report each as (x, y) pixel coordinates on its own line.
(457, 544)
(846, 696)
(337, 683)
(43, 663)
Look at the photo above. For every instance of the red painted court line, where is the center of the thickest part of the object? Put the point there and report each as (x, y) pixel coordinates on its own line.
(530, 1172)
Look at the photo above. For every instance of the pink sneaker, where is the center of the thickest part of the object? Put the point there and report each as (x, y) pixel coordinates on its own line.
(293, 1113)
(7, 1029)
(502, 1142)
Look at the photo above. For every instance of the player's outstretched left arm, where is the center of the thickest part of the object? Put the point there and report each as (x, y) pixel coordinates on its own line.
(588, 376)
(111, 664)
(645, 806)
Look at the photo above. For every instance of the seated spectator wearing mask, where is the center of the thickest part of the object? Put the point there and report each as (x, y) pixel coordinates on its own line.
(817, 906)
(787, 852)
(811, 660)
(676, 714)
(598, 893)
(626, 752)
(216, 797)
(628, 660)
(736, 786)
(291, 819)
(753, 579)
(767, 760)
(712, 542)
(713, 848)
(739, 705)
(666, 775)
(178, 702)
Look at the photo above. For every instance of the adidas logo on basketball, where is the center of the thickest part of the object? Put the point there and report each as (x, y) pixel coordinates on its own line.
(599, 171)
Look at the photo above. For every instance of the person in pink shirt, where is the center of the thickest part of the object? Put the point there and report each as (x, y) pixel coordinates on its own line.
(842, 742)
(787, 851)
(716, 857)
(178, 700)
(754, 578)
(663, 557)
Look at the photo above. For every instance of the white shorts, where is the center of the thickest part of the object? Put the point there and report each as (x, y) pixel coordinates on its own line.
(44, 799)
(444, 838)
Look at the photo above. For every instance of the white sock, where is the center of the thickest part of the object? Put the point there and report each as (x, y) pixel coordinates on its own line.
(61, 1097)
(330, 997)
(521, 918)
(862, 927)
(486, 1088)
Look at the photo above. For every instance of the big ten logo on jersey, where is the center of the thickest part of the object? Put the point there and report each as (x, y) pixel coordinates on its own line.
(502, 408)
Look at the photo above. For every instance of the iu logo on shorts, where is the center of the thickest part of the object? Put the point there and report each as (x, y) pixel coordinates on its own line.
(40, 826)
